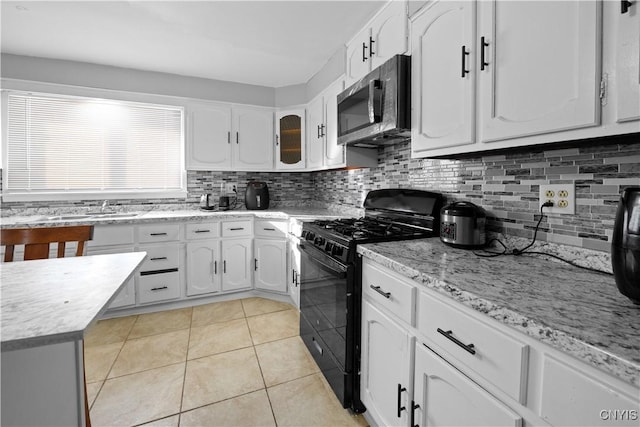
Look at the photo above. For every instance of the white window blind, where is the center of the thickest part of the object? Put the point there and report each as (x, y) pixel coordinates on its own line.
(71, 144)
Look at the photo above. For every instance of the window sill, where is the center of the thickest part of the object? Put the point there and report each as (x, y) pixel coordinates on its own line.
(95, 195)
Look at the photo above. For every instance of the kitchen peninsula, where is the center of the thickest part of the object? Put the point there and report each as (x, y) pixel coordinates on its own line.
(47, 306)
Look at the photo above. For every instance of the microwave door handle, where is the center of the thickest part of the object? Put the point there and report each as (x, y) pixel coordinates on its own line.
(375, 101)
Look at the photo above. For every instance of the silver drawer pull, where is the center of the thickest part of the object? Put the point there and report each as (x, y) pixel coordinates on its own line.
(160, 258)
(202, 231)
(158, 234)
(381, 292)
(449, 334)
(237, 228)
(269, 229)
(317, 346)
(162, 288)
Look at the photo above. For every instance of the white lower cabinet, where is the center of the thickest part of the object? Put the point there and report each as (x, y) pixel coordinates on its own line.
(270, 265)
(385, 357)
(294, 272)
(126, 297)
(158, 286)
(443, 396)
(236, 264)
(203, 269)
(453, 366)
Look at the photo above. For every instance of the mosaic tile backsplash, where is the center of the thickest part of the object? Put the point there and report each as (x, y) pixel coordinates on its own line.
(506, 185)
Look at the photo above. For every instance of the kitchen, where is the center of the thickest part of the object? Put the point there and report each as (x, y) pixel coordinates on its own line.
(600, 158)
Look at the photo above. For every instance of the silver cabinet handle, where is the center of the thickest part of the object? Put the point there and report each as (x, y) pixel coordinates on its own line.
(161, 288)
(236, 228)
(381, 292)
(202, 231)
(157, 234)
(160, 258)
(269, 229)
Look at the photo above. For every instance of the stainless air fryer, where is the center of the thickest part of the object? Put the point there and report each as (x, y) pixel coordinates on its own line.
(625, 244)
(462, 225)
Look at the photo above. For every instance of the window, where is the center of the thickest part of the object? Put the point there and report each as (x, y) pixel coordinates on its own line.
(93, 148)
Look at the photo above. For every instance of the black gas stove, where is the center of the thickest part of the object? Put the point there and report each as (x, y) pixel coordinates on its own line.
(330, 285)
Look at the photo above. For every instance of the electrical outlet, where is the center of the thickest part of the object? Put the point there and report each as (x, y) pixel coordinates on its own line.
(563, 197)
(230, 188)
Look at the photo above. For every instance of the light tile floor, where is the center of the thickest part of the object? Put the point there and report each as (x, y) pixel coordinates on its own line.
(233, 363)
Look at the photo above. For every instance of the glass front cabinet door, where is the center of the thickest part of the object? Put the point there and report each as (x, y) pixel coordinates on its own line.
(290, 139)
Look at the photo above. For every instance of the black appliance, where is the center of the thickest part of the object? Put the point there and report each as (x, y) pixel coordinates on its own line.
(376, 110)
(330, 278)
(625, 244)
(462, 225)
(256, 196)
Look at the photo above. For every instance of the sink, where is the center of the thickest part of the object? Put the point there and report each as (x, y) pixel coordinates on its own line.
(67, 217)
(116, 215)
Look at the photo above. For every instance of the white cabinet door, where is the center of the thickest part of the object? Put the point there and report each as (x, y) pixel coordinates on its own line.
(627, 61)
(541, 71)
(236, 264)
(334, 153)
(290, 139)
(442, 76)
(385, 367)
(445, 397)
(388, 33)
(294, 273)
(270, 265)
(358, 60)
(209, 141)
(252, 138)
(203, 267)
(315, 139)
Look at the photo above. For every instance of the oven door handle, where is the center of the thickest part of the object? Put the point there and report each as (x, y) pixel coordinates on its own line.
(341, 272)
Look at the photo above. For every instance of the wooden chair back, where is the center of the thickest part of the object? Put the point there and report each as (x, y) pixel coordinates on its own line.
(37, 241)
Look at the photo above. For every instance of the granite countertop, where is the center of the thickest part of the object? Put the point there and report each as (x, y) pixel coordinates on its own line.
(44, 220)
(55, 300)
(573, 310)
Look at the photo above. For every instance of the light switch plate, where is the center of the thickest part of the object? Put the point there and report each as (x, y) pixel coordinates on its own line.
(563, 197)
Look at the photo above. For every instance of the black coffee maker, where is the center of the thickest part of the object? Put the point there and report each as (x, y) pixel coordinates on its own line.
(625, 244)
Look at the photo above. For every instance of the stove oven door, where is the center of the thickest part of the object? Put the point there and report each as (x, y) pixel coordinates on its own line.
(326, 323)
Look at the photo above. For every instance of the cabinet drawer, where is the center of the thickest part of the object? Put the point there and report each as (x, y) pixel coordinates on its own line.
(237, 228)
(158, 233)
(204, 230)
(276, 229)
(161, 257)
(487, 351)
(107, 235)
(389, 291)
(573, 398)
(158, 287)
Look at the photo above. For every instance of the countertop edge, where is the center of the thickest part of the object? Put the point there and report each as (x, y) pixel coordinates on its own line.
(617, 366)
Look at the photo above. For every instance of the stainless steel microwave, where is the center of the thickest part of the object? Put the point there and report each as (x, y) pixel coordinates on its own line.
(377, 109)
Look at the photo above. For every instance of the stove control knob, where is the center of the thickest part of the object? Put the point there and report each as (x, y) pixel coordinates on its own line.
(319, 241)
(309, 235)
(337, 250)
(329, 247)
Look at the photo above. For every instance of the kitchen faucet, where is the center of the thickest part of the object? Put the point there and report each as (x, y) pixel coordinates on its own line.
(105, 206)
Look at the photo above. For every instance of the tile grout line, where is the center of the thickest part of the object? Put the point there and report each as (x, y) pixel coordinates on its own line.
(184, 375)
(264, 382)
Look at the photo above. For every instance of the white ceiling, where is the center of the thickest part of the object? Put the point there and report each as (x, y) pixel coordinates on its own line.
(268, 43)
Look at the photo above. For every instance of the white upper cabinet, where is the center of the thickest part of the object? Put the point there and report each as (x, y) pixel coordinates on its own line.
(226, 137)
(627, 61)
(384, 36)
(315, 130)
(253, 133)
(538, 67)
(209, 136)
(290, 139)
(443, 74)
(334, 153)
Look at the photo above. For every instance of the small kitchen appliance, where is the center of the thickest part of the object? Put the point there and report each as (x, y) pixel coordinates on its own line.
(625, 244)
(206, 202)
(462, 225)
(223, 203)
(330, 284)
(256, 196)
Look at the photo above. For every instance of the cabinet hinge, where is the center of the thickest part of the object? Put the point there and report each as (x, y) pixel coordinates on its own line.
(603, 89)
